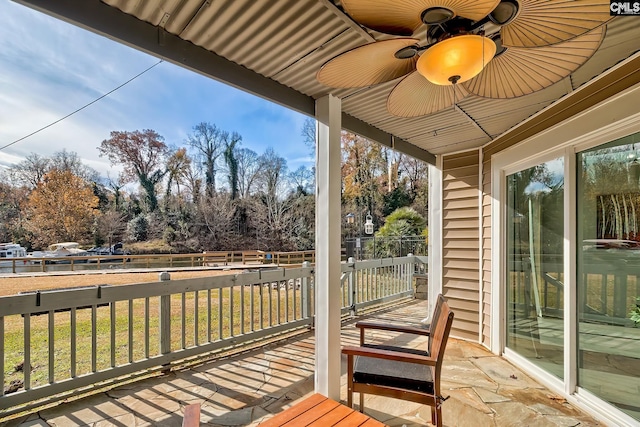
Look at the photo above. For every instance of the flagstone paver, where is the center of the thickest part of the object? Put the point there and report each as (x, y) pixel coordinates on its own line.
(242, 390)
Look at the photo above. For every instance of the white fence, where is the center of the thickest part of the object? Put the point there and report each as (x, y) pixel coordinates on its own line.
(66, 342)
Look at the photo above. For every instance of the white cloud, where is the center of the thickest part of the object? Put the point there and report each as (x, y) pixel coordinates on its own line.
(49, 68)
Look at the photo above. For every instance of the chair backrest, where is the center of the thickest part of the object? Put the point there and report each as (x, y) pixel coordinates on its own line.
(435, 319)
(439, 336)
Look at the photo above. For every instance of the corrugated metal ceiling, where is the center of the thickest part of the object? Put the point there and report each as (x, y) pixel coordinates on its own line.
(289, 40)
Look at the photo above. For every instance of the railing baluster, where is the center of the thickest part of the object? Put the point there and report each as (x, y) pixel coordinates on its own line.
(376, 288)
(357, 277)
(74, 346)
(196, 314)
(364, 284)
(231, 291)
(295, 317)
(52, 347)
(208, 315)
(388, 279)
(373, 273)
(2, 357)
(26, 365)
(368, 289)
(270, 304)
(112, 307)
(603, 293)
(286, 301)
(384, 271)
(94, 340)
(261, 311)
(130, 319)
(251, 305)
(278, 304)
(241, 309)
(220, 313)
(306, 302)
(396, 278)
(183, 315)
(146, 328)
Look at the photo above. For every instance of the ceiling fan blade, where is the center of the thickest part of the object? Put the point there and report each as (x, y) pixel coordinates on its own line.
(416, 96)
(548, 22)
(368, 65)
(404, 17)
(521, 71)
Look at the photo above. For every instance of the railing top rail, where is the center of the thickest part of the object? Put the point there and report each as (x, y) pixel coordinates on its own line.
(63, 299)
(293, 252)
(376, 263)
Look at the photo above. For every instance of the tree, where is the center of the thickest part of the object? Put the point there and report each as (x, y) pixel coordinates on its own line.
(414, 178)
(273, 171)
(116, 187)
(398, 197)
(209, 142)
(138, 228)
(31, 170)
(402, 222)
(11, 211)
(61, 208)
(178, 168)
(309, 134)
(142, 155)
(215, 216)
(364, 171)
(302, 180)
(232, 166)
(109, 227)
(270, 209)
(248, 170)
(70, 161)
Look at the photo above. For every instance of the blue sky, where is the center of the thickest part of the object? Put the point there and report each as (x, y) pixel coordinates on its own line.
(49, 68)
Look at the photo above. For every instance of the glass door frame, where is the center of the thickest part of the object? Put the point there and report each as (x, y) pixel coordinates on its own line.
(613, 119)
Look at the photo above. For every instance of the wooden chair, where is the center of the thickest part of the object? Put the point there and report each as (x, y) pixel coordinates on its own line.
(397, 372)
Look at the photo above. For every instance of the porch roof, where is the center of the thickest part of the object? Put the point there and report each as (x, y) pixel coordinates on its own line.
(274, 49)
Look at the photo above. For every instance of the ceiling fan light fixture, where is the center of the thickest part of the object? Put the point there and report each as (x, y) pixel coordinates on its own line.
(456, 59)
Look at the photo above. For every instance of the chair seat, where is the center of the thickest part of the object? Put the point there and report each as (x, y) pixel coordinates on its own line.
(389, 373)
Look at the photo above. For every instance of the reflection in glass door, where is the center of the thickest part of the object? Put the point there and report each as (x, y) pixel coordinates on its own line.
(535, 226)
(608, 279)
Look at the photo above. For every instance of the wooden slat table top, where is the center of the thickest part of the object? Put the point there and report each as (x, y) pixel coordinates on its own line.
(320, 411)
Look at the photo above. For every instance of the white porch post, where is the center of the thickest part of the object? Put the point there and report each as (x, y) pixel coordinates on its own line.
(434, 246)
(327, 271)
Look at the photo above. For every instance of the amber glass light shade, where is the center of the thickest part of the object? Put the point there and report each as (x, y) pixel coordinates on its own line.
(456, 59)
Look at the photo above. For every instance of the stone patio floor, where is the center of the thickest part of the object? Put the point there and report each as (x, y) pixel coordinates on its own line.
(247, 388)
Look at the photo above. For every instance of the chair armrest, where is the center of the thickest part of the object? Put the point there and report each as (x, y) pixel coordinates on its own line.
(394, 328)
(388, 355)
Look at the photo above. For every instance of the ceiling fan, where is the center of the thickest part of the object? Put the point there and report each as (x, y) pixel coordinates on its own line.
(489, 48)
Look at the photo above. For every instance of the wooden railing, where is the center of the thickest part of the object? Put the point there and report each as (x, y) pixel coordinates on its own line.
(374, 282)
(607, 286)
(204, 259)
(60, 343)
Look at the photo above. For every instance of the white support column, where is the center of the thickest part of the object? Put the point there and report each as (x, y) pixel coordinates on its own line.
(327, 271)
(435, 233)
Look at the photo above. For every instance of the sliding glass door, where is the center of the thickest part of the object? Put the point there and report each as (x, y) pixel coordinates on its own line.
(608, 272)
(604, 283)
(534, 290)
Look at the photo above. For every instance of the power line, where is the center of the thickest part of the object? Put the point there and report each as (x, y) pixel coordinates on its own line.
(81, 108)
